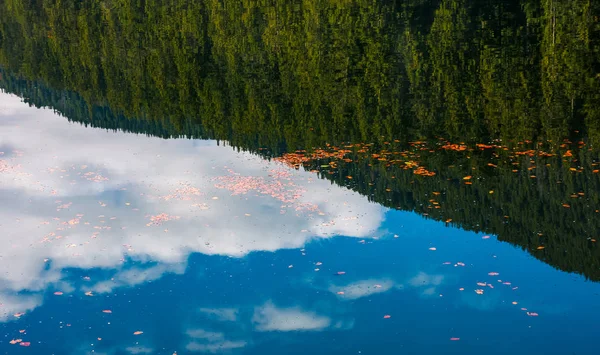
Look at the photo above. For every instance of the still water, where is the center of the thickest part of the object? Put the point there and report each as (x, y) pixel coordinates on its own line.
(292, 177)
(206, 249)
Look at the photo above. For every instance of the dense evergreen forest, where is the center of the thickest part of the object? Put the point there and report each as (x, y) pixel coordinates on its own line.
(276, 76)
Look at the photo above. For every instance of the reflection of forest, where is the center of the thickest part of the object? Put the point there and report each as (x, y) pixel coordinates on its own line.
(286, 75)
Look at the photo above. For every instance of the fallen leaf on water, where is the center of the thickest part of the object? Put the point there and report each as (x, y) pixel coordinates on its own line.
(15, 341)
(24, 343)
(454, 339)
(432, 248)
(485, 237)
(387, 316)
(461, 289)
(22, 331)
(340, 293)
(479, 292)
(138, 332)
(514, 303)
(106, 311)
(467, 177)
(341, 272)
(58, 293)
(532, 314)
(540, 247)
(493, 273)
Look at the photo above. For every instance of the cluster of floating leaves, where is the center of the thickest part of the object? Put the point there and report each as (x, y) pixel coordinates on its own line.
(159, 219)
(330, 158)
(278, 186)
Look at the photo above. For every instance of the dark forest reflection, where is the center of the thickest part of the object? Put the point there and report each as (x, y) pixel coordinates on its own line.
(274, 77)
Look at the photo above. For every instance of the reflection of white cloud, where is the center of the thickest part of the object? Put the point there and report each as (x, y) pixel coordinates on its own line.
(206, 341)
(139, 350)
(215, 347)
(270, 318)
(221, 314)
(203, 334)
(103, 187)
(11, 305)
(136, 276)
(424, 279)
(363, 288)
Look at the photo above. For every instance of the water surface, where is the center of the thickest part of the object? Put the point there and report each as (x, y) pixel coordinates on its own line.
(295, 177)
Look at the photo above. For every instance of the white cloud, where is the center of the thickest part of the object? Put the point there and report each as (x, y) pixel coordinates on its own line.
(270, 318)
(133, 177)
(363, 288)
(11, 305)
(212, 342)
(221, 314)
(136, 276)
(423, 280)
(206, 335)
(139, 350)
(215, 347)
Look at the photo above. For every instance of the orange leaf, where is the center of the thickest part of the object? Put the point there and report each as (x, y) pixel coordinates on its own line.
(138, 332)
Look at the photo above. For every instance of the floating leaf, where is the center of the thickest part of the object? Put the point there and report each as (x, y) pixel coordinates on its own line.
(138, 332)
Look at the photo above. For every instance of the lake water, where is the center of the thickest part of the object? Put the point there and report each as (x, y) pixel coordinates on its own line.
(299, 177)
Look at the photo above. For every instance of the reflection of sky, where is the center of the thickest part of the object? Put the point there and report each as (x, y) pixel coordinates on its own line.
(208, 250)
